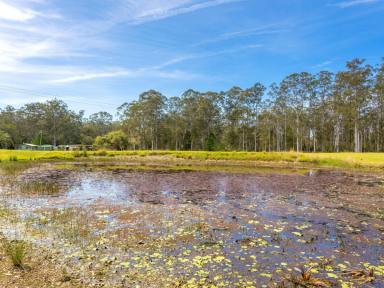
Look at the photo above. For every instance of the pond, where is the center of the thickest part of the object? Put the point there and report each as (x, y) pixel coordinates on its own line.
(126, 227)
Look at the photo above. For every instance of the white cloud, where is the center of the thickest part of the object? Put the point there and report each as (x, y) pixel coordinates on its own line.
(150, 72)
(90, 76)
(9, 12)
(347, 4)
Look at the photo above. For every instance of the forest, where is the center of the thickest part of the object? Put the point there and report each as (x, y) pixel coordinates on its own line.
(323, 112)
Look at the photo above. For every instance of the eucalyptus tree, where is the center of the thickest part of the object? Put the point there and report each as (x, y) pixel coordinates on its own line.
(234, 110)
(298, 88)
(10, 123)
(209, 118)
(354, 87)
(252, 98)
(5, 140)
(189, 106)
(153, 107)
(132, 116)
(322, 114)
(97, 124)
(279, 109)
(378, 94)
(175, 123)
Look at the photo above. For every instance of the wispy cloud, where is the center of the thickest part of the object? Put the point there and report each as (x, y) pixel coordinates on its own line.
(149, 72)
(193, 56)
(351, 3)
(34, 39)
(137, 12)
(90, 76)
(322, 64)
(264, 30)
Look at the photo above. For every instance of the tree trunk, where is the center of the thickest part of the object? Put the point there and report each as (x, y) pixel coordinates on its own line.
(297, 134)
(357, 138)
(337, 135)
(255, 133)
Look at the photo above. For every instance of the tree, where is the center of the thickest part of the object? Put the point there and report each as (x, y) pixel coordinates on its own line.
(252, 99)
(354, 86)
(5, 140)
(144, 117)
(97, 124)
(298, 88)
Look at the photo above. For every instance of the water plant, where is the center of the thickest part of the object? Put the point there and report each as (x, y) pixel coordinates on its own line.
(38, 187)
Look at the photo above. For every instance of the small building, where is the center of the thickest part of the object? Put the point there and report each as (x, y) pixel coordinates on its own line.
(78, 147)
(33, 147)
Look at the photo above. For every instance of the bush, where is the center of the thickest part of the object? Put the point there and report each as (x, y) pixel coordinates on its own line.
(116, 140)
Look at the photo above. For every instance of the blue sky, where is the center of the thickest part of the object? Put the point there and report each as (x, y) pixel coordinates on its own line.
(98, 54)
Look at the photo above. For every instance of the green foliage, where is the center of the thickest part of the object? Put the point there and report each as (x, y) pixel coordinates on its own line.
(16, 251)
(5, 140)
(116, 140)
(211, 142)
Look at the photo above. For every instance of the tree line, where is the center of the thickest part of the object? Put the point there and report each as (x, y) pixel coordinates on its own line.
(327, 112)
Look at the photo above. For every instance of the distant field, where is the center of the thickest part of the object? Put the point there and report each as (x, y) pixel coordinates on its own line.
(342, 160)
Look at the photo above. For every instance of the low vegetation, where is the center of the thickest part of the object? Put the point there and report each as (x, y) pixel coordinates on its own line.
(339, 160)
(16, 250)
(38, 187)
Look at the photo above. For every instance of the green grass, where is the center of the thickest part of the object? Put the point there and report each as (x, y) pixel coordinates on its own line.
(18, 155)
(16, 251)
(341, 160)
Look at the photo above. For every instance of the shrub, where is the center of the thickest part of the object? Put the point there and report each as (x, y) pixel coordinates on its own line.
(116, 140)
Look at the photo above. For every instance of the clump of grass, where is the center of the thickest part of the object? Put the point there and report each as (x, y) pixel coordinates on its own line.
(100, 153)
(16, 250)
(13, 168)
(39, 188)
(13, 158)
(81, 153)
(5, 211)
(71, 224)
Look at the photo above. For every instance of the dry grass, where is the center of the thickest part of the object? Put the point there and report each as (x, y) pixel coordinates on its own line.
(39, 270)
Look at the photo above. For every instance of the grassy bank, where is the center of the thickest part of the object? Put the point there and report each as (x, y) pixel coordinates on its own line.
(339, 160)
